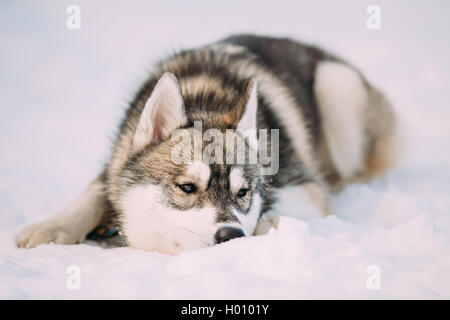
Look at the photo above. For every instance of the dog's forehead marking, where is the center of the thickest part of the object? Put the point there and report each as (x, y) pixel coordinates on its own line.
(200, 171)
(236, 179)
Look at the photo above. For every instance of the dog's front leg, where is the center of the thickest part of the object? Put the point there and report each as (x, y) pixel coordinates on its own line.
(72, 224)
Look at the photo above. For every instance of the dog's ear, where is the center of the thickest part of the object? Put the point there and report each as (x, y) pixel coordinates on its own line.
(162, 114)
(249, 107)
(248, 123)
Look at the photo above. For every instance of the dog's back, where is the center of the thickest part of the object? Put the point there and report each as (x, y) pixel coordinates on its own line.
(334, 127)
(350, 124)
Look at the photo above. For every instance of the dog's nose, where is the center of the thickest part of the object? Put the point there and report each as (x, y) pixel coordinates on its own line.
(228, 233)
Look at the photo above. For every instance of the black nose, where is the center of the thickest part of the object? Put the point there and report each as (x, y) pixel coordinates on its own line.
(228, 233)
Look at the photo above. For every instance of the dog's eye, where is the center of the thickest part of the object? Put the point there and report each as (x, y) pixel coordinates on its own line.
(187, 188)
(242, 193)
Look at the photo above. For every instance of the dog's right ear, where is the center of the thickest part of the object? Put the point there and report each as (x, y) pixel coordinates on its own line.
(162, 114)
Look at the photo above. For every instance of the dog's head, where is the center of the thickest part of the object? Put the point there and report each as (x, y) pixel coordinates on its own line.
(185, 186)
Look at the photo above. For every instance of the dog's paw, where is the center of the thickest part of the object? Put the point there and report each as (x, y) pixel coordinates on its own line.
(46, 232)
(266, 222)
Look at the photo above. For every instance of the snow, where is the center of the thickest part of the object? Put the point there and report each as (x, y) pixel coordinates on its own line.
(63, 93)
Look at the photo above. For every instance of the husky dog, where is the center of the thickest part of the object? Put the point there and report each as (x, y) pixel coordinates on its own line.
(334, 128)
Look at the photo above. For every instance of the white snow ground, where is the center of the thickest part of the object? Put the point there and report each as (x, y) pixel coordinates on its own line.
(62, 94)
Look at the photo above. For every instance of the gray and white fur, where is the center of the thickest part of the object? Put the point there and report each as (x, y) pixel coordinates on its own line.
(334, 128)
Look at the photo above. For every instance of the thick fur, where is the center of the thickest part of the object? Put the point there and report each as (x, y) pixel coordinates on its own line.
(334, 127)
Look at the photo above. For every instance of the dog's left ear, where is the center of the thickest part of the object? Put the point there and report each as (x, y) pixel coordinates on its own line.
(248, 122)
(162, 114)
(244, 116)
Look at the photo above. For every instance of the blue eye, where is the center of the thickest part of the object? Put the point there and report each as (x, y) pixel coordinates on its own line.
(187, 188)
